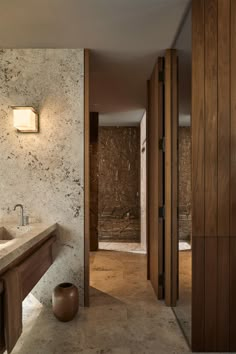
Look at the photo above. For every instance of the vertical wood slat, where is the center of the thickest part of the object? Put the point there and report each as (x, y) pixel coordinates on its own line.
(223, 311)
(161, 65)
(211, 127)
(171, 190)
(174, 158)
(232, 303)
(198, 122)
(198, 294)
(223, 116)
(233, 123)
(223, 295)
(86, 178)
(214, 289)
(211, 265)
(154, 179)
(168, 180)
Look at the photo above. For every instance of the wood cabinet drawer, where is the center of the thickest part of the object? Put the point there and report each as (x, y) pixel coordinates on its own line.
(35, 266)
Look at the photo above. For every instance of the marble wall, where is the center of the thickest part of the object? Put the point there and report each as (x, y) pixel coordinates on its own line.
(185, 192)
(119, 184)
(44, 171)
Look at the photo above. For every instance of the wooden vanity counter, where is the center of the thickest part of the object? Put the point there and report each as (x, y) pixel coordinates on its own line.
(29, 249)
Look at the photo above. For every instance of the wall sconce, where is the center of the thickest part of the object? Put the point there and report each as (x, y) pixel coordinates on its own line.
(26, 119)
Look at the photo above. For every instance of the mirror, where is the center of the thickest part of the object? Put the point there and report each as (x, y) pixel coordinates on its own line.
(183, 308)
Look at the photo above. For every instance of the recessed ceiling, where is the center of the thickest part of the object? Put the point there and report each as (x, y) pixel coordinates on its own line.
(125, 37)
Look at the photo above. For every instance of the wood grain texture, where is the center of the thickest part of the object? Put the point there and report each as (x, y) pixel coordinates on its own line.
(223, 117)
(168, 178)
(171, 177)
(218, 277)
(211, 126)
(35, 266)
(198, 294)
(211, 293)
(223, 294)
(86, 179)
(232, 302)
(198, 119)
(154, 180)
(174, 164)
(233, 123)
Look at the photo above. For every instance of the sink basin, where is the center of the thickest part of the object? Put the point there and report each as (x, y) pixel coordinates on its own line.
(5, 235)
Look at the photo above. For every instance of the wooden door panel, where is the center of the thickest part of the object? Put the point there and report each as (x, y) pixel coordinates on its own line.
(171, 177)
(155, 181)
(93, 181)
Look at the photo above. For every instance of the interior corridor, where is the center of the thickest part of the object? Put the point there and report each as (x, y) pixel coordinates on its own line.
(124, 316)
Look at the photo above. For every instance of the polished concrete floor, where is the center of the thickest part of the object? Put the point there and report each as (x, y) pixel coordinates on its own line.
(124, 316)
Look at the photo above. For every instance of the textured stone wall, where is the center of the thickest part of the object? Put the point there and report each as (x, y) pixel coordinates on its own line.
(119, 184)
(185, 209)
(44, 171)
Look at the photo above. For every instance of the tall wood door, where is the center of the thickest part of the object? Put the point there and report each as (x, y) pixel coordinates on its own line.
(155, 179)
(93, 180)
(214, 175)
(171, 177)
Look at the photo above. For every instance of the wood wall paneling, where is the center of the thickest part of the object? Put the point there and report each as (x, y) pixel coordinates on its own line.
(211, 117)
(223, 117)
(214, 175)
(232, 302)
(233, 120)
(198, 119)
(210, 293)
(154, 181)
(171, 177)
(223, 294)
(198, 294)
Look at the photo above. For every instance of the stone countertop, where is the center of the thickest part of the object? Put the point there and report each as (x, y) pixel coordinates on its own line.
(23, 238)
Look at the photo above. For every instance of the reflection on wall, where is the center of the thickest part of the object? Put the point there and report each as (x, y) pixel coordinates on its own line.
(185, 193)
(119, 186)
(44, 171)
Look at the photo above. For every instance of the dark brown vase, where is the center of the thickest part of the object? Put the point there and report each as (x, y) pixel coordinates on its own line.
(65, 301)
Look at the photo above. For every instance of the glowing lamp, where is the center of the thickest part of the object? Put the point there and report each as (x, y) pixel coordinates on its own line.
(25, 119)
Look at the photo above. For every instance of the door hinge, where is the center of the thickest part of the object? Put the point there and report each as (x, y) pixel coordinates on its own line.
(161, 212)
(161, 280)
(162, 144)
(161, 76)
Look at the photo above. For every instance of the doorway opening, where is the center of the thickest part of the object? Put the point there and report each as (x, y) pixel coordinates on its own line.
(118, 211)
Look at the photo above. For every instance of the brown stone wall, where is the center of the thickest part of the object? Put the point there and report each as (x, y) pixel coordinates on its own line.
(119, 184)
(185, 209)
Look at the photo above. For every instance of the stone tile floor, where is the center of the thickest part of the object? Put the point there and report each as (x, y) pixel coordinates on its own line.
(124, 316)
(132, 247)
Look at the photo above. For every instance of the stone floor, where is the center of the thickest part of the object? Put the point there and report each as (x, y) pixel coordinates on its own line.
(132, 247)
(124, 316)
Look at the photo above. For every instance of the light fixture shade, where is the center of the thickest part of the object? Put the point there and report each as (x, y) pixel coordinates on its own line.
(25, 119)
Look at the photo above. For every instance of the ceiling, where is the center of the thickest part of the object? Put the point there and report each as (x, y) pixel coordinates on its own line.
(125, 37)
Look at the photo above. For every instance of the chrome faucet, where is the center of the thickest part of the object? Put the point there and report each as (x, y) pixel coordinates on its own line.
(22, 221)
